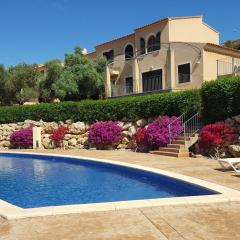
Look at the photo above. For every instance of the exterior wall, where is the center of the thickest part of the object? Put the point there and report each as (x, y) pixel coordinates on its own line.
(152, 30)
(210, 65)
(191, 30)
(188, 54)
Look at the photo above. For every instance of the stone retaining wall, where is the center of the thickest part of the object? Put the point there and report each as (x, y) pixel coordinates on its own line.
(77, 136)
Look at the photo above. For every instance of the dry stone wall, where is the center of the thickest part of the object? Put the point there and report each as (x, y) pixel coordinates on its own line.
(77, 136)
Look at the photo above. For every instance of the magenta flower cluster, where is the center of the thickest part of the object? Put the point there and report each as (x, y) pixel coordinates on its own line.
(157, 134)
(105, 133)
(22, 138)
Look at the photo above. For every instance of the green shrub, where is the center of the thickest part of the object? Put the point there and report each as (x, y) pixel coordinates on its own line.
(132, 108)
(220, 99)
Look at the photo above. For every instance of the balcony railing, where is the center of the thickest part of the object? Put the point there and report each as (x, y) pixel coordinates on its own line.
(121, 90)
(228, 66)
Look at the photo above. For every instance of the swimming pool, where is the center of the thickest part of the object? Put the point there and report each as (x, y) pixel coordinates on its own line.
(32, 181)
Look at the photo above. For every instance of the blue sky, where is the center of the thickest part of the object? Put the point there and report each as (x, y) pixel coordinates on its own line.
(35, 31)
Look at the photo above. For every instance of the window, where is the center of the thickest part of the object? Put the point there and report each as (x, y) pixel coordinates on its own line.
(129, 85)
(142, 46)
(152, 81)
(109, 55)
(151, 43)
(184, 73)
(128, 52)
(158, 41)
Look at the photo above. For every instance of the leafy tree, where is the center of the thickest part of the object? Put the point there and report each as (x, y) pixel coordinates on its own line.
(81, 77)
(229, 44)
(66, 87)
(21, 83)
(2, 83)
(46, 82)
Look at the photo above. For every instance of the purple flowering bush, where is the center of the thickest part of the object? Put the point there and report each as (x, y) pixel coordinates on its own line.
(22, 138)
(105, 134)
(157, 133)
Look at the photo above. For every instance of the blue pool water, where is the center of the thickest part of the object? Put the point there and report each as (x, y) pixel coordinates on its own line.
(36, 181)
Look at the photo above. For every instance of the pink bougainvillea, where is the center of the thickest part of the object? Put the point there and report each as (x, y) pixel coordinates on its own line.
(22, 138)
(157, 133)
(105, 134)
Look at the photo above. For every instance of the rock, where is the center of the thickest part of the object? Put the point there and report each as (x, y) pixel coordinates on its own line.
(46, 135)
(234, 150)
(125, 133)
(46, 142)
(141, 122)
(72, 142)
(67, 136)
(82, 140)
(30, 122)
(65, 144)
(121, 124)
(131, 131)
(51, 126)
(69, 121)
(5, 144)
(126, 126)
(77, 128)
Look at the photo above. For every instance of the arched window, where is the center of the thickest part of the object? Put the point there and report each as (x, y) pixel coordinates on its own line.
(151, 43)
(142, 46)
(128, 52)
(158, 41)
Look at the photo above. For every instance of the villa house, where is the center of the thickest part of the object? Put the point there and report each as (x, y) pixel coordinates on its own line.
(170, 54)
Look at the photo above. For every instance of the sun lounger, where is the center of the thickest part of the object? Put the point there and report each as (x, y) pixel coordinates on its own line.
(233, 163)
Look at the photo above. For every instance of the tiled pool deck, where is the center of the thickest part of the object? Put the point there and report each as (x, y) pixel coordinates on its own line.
(197, 221)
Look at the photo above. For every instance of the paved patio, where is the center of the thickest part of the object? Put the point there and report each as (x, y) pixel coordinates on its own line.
(202, 221)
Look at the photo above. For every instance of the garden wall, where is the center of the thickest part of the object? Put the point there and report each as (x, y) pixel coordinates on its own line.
(77, 136)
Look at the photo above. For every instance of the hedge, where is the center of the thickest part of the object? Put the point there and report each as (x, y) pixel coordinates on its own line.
(220, 99)
(131, 108)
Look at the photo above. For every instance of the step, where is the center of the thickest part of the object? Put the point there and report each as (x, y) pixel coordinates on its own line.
(181, 142)
(175, 150)
(170, 154)
(176, 146)
(182, 138)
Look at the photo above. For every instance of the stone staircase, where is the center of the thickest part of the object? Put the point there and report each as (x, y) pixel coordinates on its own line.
(179, 147)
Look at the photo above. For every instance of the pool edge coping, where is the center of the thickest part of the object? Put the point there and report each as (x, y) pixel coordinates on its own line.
(10, 211)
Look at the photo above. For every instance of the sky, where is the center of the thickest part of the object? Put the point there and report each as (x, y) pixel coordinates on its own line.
(35, 31)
